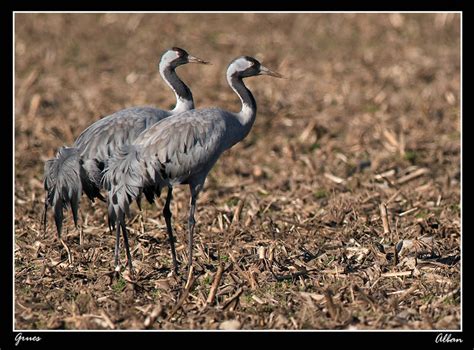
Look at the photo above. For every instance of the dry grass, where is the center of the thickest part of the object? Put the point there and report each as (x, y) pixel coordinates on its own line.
(368, 119)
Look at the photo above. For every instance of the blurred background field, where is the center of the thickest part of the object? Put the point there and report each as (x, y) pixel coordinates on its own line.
(368, 114)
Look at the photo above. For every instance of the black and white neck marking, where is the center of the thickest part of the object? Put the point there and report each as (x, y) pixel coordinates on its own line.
(248, 112)
(184, 97)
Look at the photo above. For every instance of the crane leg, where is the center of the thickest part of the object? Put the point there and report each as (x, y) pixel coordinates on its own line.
(81, 235)
(191, 222)
(140, 214)
(117, 247)
(127, 247)
(167, 214)
(45, 215)
(75, 216)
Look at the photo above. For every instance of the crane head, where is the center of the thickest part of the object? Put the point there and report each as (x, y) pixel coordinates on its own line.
(176, 56)
(246, 66)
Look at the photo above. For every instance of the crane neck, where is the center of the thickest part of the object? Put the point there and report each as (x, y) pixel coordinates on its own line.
(184, 97)
(248, 111)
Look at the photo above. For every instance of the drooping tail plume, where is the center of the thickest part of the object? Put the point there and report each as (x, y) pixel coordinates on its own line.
(124, 178)
(65, 178)
(62, 182)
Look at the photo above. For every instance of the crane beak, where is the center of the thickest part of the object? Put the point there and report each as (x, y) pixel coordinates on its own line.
(266, 71)
(192, 59)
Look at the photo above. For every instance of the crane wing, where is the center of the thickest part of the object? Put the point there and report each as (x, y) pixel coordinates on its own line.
(106, 136)
(186, 144)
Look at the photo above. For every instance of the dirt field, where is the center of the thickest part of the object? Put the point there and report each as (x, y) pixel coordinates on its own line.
(368, 116)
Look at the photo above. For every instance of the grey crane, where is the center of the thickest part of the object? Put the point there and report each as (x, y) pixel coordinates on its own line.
(78, 168)
(181, 150)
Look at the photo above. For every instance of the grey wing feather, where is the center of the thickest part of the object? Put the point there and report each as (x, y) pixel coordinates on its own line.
(124, 179)
(183, 145)
(106, 136)
(110, 133)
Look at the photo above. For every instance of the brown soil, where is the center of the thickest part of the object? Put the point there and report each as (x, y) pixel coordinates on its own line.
(368, 115)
